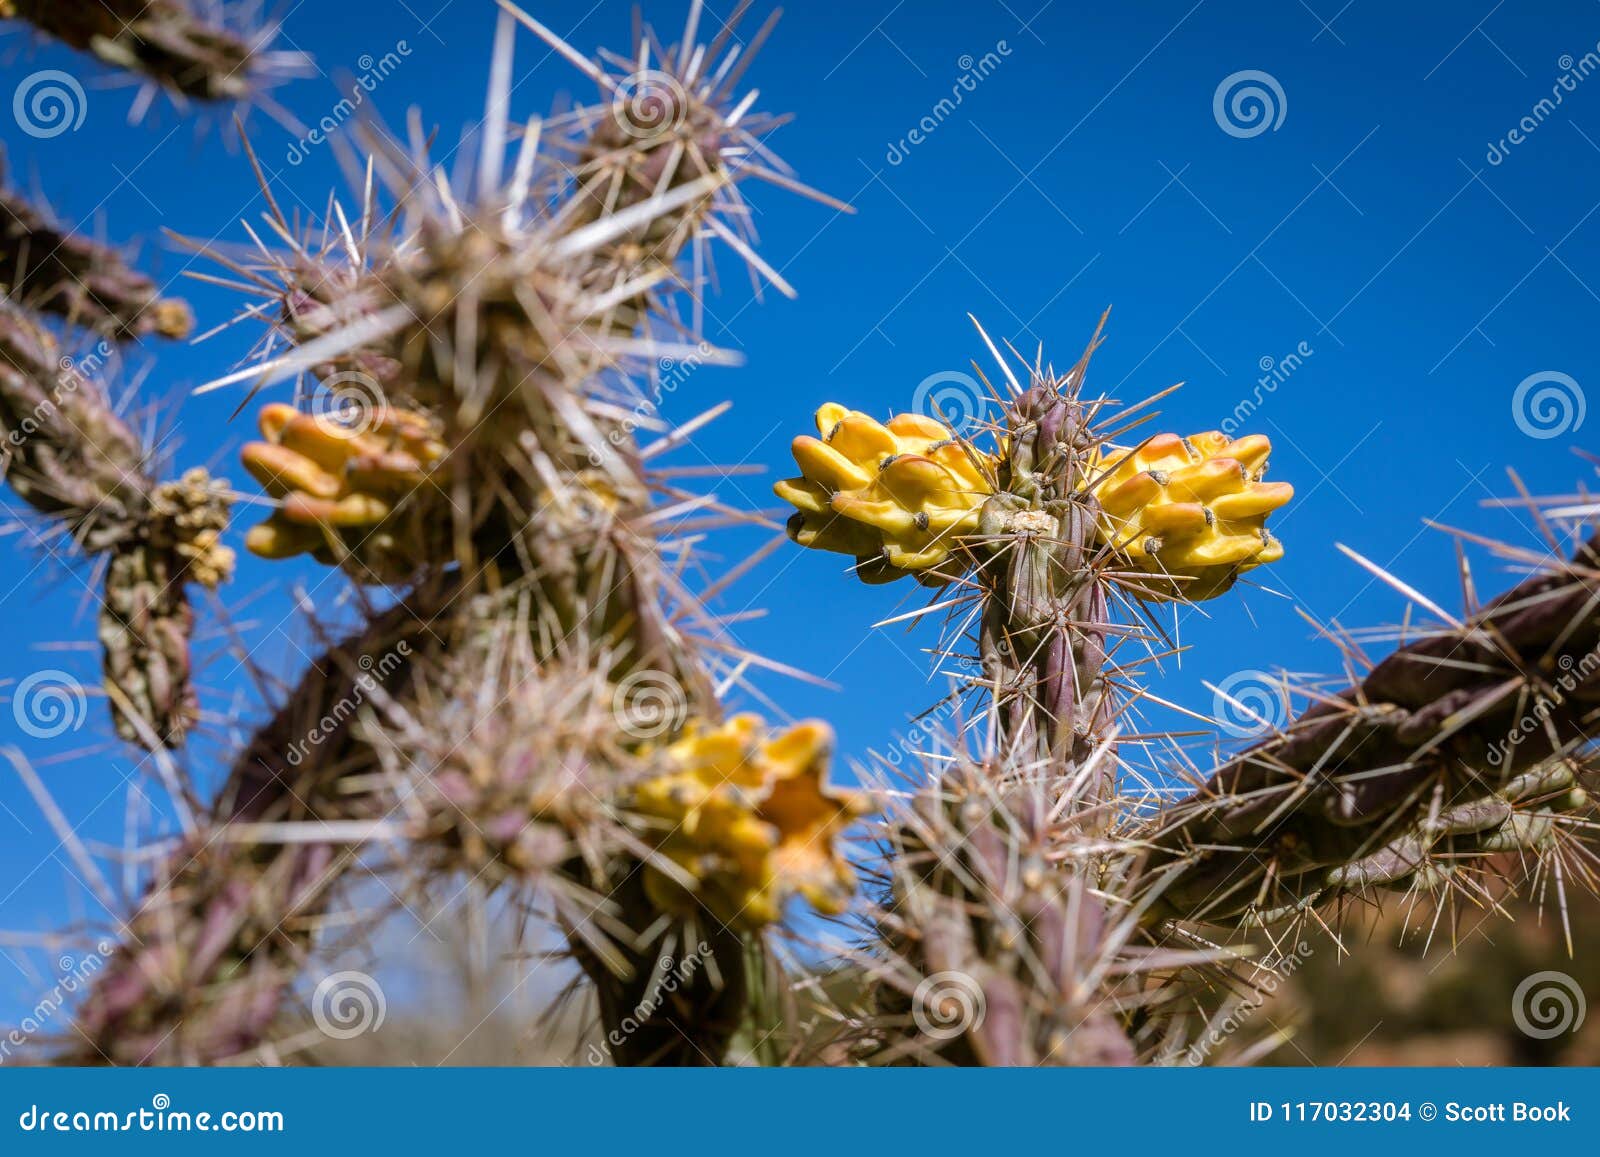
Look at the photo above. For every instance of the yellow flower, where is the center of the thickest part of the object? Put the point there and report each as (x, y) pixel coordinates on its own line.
(340, 485)
(749, 818)
(898, 496)
(1190, 510)
(1188, 514)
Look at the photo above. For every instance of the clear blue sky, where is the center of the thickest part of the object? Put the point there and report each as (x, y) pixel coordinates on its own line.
(1087, 168)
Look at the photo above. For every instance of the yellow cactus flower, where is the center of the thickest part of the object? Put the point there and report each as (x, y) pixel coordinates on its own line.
(1189, 513)
(339, 485)
(1191, 510)
(898, 496)
(749, 817)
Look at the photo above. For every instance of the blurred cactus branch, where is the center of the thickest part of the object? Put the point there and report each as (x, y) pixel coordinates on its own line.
(49, 268)
(1468, 742)
(76, 461)
(167, 42)
(497, 333)
(229, 918)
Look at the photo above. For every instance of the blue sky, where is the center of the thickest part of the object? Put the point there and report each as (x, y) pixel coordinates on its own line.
(1416, 280)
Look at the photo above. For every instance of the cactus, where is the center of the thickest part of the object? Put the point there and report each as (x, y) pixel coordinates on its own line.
(184, 46)
(537, 696)
(54, 270)
(79, 463)
(1467, 742)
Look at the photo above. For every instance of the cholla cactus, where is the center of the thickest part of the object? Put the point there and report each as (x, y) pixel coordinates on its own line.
(78, 463)
(54, 270)
(501, 469)
(189, 48)
(1467, 742)
(541, 707)
(902, 497)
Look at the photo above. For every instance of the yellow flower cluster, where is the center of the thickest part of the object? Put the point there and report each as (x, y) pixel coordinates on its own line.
(898, 496)
(749, 818)
(339, 485)
(1192, 511)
